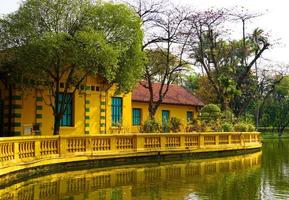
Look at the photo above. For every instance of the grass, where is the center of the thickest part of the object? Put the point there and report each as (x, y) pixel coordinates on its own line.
(274, 135)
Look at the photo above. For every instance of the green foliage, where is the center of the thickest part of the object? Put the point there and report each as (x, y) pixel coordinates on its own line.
(166, 127)
(241, 127)
(228, 115)
(46, 37)
(227, 127)
(150, 126)
(195, 125)
(210, 112)
(175, 124)
(251, 127)
(275, 110)
(46, 41)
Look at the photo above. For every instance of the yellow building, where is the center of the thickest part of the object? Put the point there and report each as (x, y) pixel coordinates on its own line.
(94, 109)
(178, 102)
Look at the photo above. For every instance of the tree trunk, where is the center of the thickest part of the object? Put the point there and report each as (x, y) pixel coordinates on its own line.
(56, 128)
(152, 111)
(257, 114)
(57, 110)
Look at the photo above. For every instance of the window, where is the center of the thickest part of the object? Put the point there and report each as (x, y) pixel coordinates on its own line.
(165, 116)
(136, 116)
(67, 118)
(116, 110)
(189, 116)
(165, 120)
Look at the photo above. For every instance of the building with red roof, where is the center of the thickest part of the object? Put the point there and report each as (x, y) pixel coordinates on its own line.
(178, 102)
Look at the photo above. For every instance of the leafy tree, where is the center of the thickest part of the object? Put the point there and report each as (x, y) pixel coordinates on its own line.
(211, 112)
(276, 107)
(164, 45)
(227, 63)
(57, 41)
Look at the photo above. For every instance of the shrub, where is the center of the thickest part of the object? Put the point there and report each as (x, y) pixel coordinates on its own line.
(228, 115)
(165, 127)
(150, 126)
(175, 124)
(195, 125)
(227, 127)
(241, 127)
(211, 112)
(251, 127)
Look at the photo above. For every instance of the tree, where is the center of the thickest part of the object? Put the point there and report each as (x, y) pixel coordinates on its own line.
(164, 45)
(201, 87)
(57, 41)
(227, 63)
(276, 106)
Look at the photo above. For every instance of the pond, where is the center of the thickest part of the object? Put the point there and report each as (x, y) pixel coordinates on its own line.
(260, 175)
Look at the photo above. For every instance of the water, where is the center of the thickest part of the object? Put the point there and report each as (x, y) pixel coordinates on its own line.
(261, 175)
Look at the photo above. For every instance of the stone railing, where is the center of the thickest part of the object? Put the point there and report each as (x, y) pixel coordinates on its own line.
(18, 153)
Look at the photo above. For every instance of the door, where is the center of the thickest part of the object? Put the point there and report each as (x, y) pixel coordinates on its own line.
(165, 120)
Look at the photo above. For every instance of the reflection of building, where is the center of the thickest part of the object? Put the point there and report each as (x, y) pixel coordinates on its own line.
(93, 109)
(125, 182)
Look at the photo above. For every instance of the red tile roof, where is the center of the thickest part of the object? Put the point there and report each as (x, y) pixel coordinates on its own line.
(175, 95)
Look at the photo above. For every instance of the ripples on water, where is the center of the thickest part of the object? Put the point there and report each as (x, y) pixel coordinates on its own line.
(254, 176)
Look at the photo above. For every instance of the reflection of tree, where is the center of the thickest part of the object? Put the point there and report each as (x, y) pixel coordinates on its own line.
(215, 178)
(232, 185)
(276, 166)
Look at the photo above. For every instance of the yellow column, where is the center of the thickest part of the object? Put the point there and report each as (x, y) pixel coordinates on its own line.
(87, 114)
(17, 114)
(103, 112)
(39, 111)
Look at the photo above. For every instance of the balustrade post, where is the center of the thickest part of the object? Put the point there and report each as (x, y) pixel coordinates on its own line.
(202, 141)
(37, 148)
(182, 141)
(113, 144)
(16, 150)
(62, 146)
(230, 138)
(139, 141)
(88, 148)
(163, 140)
(242, 139)
(217, 139)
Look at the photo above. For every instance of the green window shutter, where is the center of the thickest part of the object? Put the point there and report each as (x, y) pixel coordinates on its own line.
(189, 116)
(67, 117)
(136, 116)
(116, 110)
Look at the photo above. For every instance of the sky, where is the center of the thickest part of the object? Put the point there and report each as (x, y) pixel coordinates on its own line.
(273, 21)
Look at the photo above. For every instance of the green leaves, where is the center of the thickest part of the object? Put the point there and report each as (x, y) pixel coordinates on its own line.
(54, 37)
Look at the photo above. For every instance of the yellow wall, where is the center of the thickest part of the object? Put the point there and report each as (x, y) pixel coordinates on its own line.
(88, 118)
(178, 111)
(91, 111)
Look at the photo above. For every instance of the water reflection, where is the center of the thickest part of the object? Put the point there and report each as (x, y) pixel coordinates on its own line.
(192, 179)
(275, 173)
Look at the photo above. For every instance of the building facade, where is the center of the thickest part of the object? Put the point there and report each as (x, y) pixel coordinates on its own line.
(94, 109)
(178, 102)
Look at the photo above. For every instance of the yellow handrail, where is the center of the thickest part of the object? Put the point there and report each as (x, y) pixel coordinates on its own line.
(30, 151)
